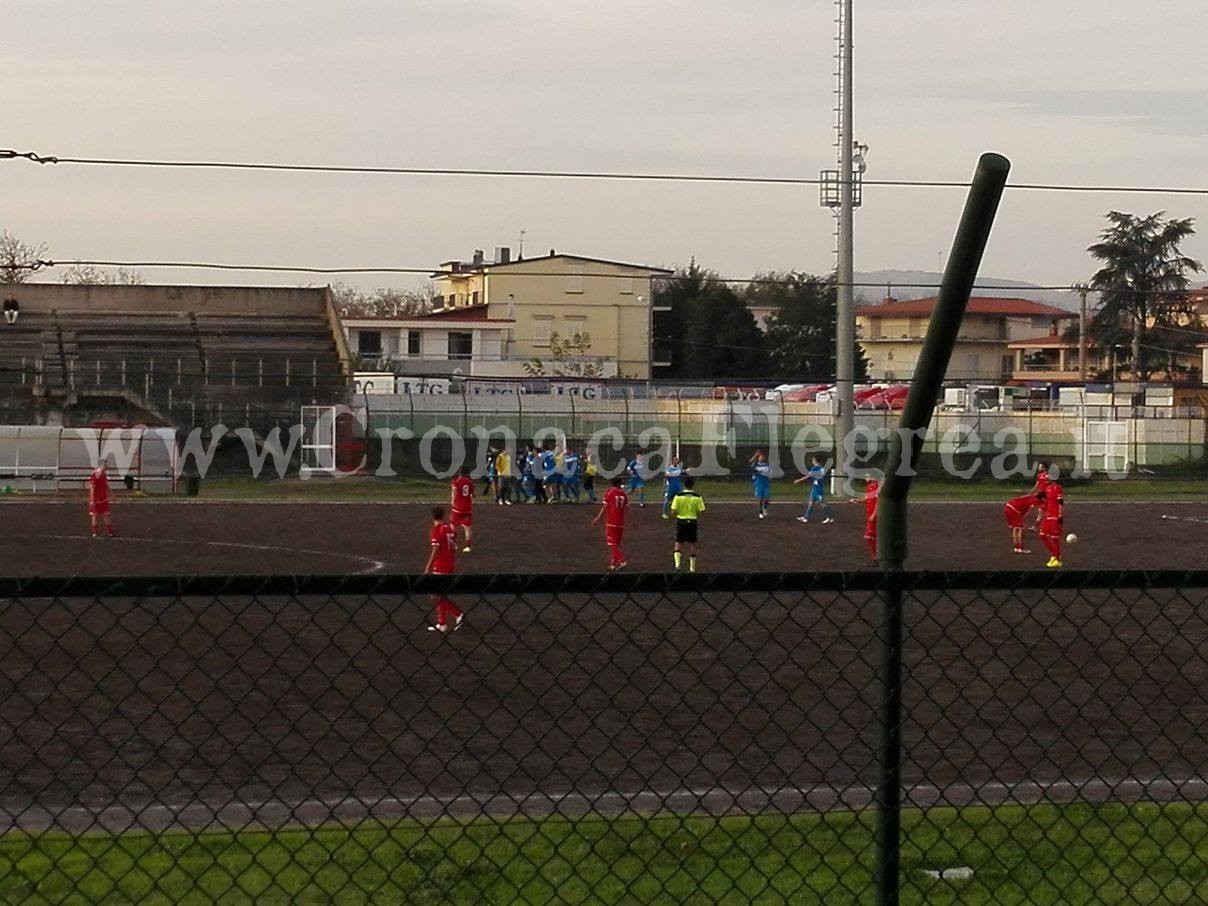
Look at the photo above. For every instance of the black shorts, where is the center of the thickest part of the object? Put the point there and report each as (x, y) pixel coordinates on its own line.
(685, 531)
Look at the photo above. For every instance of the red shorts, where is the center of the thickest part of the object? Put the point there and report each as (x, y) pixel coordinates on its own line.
(98, 509)
(441, 569)
(1014, 517)
(613, 533)
(457, 518)
(1051, 526)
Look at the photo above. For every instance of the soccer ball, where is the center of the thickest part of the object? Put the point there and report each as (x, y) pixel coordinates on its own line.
(1071, 538)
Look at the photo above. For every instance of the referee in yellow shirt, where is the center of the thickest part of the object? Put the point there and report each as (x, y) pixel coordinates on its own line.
(687, 507)
(503, 472)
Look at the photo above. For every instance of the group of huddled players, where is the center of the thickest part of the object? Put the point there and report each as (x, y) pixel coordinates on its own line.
(561, 474)
(566, 474)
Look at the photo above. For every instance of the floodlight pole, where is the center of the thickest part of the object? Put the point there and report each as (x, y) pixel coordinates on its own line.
(845, 315)
(959, 276)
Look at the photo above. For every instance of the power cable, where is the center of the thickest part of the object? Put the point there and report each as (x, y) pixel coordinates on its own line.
(472, 270)
(34, 157)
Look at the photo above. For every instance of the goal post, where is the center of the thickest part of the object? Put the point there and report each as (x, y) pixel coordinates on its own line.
(319, 438)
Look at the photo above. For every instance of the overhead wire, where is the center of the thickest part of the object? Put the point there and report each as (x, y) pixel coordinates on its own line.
(52, 159)
(472, 270)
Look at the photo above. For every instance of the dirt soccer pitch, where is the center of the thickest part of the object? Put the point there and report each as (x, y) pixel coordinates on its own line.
(236, 710)
(179, 538)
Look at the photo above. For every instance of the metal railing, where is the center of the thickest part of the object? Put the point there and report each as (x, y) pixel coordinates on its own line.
(585, 738)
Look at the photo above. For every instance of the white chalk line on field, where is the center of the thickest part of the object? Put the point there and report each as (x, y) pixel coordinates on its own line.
(1200, 519)
(272, 813)
(373, 565)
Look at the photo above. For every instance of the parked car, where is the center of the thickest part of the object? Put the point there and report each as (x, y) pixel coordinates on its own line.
(887, 398)
(863, 394)
(736, 392)
(777, 392)
(805, 394)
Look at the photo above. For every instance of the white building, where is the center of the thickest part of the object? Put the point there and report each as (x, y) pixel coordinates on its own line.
(456, 341)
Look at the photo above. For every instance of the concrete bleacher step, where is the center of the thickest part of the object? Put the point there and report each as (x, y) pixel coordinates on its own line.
(182, 361)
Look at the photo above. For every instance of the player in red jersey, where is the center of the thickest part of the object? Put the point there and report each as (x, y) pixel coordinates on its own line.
(872, 490)
(99, 498)
(1042, 482)
(616, 501)
(1051, 524)
(1016, 510)
(462, 504)
(440, 563)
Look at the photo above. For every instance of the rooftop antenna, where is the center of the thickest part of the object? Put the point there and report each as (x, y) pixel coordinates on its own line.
(520, 247)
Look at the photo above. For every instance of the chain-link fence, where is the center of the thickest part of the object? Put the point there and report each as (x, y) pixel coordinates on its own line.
(619, 739)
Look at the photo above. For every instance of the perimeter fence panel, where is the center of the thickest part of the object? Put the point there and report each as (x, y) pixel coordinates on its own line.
(612, 739)
(1055, 739)
(733, 428)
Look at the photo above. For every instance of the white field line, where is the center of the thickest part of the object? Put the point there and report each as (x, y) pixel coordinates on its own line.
(373, 565)
(198, 815)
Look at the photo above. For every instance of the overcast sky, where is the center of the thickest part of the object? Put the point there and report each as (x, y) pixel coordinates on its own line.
(1110, 91)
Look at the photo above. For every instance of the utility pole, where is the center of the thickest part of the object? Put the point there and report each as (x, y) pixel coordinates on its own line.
(1082, 289)
(841, 191)
(845, 315)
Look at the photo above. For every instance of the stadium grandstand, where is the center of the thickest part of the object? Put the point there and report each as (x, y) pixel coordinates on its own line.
(169, 356)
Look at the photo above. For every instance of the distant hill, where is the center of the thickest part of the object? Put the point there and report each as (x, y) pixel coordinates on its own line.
(898, 283)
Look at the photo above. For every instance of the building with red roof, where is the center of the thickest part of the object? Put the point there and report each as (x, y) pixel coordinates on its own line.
(891, 335)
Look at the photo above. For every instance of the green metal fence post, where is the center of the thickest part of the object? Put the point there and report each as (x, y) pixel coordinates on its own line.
(904, 446)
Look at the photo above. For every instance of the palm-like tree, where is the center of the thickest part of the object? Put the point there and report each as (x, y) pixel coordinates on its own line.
(1141, 283)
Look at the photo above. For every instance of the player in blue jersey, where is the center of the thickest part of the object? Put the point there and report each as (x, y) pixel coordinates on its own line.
(530, 482)
(490, 480)
(674, 477)
(637, 477)
(761, 481)
(816, 477)
(570, 475)
(551, 475)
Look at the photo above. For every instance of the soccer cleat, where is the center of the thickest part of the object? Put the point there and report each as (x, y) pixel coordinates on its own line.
(622, 564)
(664, 515)
(828, 520)
(457, 622)
(439, 627)
(1022, 550)
(803, 519)
(761, 514)
(466, 549)
(1053, 563)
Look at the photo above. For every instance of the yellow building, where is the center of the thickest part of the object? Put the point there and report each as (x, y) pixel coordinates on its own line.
(891, 335)
(561, 295)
